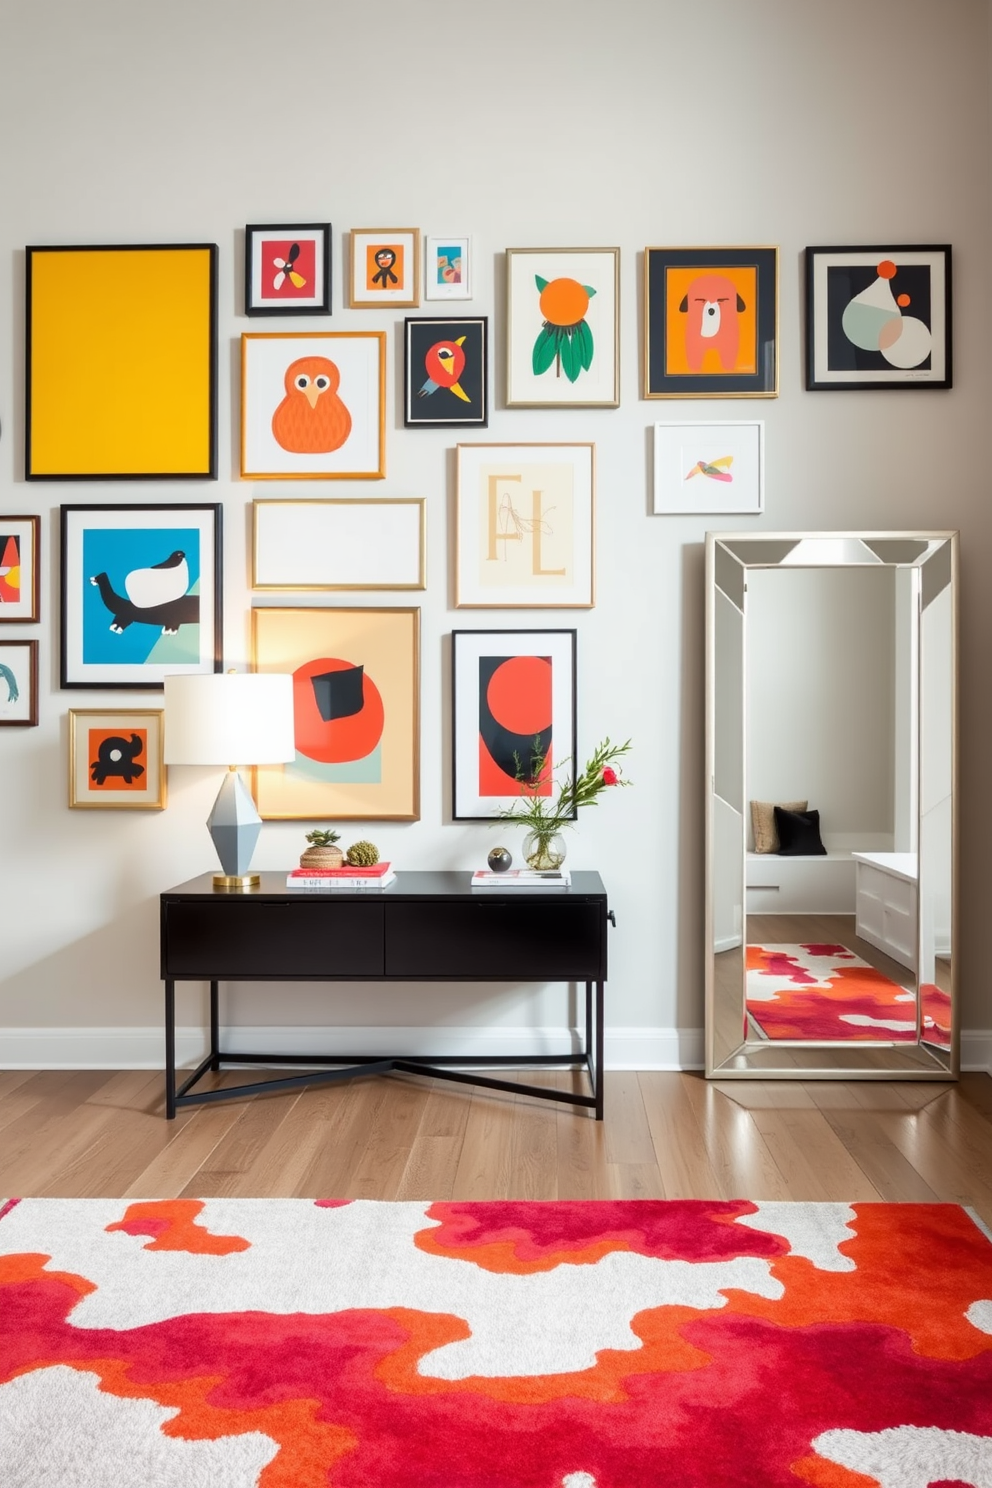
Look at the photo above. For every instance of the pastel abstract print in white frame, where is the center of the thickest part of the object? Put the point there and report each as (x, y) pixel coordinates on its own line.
(709, 467)
(448, 267)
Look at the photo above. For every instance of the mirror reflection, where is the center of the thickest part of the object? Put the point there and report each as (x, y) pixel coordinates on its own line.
(830, 734)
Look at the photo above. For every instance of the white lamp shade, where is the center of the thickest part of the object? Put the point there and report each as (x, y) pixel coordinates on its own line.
(233, 718)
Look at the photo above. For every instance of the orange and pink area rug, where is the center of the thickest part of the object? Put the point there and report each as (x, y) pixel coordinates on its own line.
(629, 1344)
(826, 991)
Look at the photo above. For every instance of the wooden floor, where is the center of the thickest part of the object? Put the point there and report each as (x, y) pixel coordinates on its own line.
(100, 1133)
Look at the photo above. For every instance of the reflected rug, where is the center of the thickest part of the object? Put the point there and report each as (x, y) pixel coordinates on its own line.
(935, 1007)
(825, 992)
(628, 1344)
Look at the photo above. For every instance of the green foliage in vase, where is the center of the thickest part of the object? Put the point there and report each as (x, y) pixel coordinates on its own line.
(545, 815)
(321, 837)
(363, 854)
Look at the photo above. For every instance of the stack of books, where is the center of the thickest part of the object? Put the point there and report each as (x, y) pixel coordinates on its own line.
(321, 880)
(522, 878)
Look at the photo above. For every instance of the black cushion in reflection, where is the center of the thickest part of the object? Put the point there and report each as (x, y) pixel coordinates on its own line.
(798, 833)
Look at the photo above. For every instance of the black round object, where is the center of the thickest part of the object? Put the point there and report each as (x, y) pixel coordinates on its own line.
(500, 859)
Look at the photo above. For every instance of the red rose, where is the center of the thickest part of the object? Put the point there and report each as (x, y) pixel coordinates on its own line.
(609, 776)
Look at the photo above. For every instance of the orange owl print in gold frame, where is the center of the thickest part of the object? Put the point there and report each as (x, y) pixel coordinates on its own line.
(313, 405)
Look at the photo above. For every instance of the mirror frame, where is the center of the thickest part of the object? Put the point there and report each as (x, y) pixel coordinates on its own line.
(832, 1062)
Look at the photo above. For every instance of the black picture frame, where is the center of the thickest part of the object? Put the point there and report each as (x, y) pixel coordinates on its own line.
(429, 401)
(737, 311)
(312, 240)
(170, 592)
(476, 658)
(74, 327)
(858, 336)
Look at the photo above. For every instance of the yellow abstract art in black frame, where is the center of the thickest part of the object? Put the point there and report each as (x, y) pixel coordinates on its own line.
(121, 362)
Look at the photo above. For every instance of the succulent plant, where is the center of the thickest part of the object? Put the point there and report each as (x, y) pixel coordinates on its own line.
(320, 837)
(363, 854)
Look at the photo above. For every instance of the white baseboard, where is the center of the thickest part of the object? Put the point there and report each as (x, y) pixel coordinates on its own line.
(976, 1050)
(654, 1049)
(143, 1048)
(650, 1048)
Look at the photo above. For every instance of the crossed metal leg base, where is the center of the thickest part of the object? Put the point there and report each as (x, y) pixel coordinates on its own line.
(352, 1066)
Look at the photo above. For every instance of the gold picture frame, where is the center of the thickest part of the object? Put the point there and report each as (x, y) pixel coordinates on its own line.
(313, 405)
(116, 759)
(563, 327)
(385, 268)
(711, 322)
(525, 517)
(356, 679)
(339, 544)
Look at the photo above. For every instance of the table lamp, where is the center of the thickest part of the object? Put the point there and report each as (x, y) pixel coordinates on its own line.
(233, 718)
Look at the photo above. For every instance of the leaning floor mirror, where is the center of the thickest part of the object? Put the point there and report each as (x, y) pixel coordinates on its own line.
(830, 815)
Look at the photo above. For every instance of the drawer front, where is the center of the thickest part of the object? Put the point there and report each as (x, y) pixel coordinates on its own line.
(234, 937)
(895, 892)
(481, 939)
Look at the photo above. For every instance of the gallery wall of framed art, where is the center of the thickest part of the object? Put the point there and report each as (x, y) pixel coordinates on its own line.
(544, 179)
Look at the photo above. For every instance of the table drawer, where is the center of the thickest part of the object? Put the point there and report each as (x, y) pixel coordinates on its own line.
(483, 939)
(247, 938)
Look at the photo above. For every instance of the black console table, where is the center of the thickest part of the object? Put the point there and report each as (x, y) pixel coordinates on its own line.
(423, 927)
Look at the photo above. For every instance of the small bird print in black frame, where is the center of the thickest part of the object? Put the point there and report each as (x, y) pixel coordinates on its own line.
(446, 372)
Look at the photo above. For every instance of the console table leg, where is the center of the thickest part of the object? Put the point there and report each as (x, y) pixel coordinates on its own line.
(599, 1051)
(214, 1027)
(170, 1050)
(589, 1024)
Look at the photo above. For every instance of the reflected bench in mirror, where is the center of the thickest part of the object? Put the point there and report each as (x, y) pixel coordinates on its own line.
(830, 662)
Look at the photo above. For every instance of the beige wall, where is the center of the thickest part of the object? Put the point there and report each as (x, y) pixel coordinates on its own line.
(778, 121)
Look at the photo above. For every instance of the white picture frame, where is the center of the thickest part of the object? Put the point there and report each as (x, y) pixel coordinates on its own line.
(448, 267)
(358, 361)
(484, 782)
(525, 526)
(709, 467)
(339, 543)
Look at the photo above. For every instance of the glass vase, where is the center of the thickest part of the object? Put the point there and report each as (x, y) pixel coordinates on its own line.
(544, 851)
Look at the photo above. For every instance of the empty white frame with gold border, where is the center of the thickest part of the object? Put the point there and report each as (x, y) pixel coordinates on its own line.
(524, 528)
(831, 691)
(341, 543)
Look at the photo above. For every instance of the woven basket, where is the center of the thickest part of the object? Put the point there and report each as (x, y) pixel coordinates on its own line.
(322, 857)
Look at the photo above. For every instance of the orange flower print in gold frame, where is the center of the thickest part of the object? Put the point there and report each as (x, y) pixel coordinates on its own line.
(121, 362)
(385, 267)
(313, 405)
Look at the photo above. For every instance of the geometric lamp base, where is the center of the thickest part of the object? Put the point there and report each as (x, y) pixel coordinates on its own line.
(234, 824)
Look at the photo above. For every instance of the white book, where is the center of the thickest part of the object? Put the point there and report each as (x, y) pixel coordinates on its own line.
(522, 878)
(337, 885)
